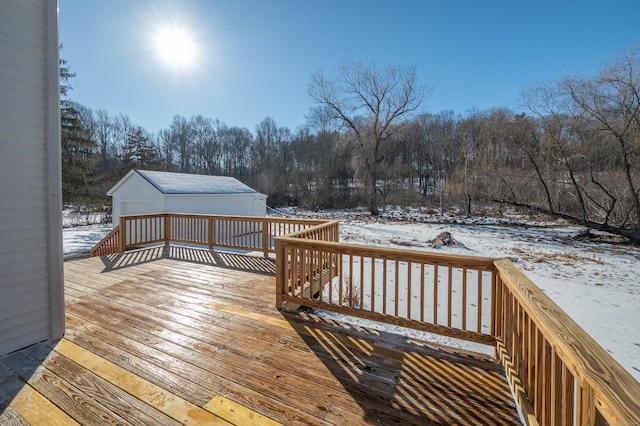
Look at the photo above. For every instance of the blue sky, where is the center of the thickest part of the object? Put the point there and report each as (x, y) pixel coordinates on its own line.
(256, 57)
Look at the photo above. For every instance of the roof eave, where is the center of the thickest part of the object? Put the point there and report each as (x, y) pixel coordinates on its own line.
(115, 187)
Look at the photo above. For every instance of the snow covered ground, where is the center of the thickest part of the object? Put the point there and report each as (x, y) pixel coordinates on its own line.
(80, 239)
(596, 283)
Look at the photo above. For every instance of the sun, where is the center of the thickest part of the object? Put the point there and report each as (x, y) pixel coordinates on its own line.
(176, 47)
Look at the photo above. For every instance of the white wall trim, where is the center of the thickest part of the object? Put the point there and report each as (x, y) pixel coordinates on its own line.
(54, 175)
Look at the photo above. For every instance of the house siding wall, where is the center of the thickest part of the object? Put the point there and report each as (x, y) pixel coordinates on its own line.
(31, 268)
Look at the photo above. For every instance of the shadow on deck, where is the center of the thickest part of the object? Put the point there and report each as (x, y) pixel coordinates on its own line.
(256, 264)
(177, 335)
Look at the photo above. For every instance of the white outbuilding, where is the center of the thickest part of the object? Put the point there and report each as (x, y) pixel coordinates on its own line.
(141, 191)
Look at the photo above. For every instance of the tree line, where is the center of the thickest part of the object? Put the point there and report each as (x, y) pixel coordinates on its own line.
(573, 154)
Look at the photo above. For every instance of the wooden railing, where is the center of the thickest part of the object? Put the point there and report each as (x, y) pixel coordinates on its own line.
(237, 232)
(559, 374)
(108, 244)
(443, 294)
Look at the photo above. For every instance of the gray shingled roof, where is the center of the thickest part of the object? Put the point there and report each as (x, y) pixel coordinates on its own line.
(183, 183)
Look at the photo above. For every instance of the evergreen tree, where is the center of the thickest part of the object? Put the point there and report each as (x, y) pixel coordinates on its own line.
(78, 147)
(140, 153)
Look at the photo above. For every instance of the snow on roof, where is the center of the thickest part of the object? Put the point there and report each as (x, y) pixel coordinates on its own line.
(183, 183)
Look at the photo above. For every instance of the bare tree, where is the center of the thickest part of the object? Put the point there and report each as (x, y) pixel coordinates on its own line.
(433, 135)
(586, 163)
(181, 134)
(166, 148)
(236, 144)
(206, 144)
(612, 102)
(271, 160)
(122, 127)
(372, 103)
(470, 144)
(104, 134)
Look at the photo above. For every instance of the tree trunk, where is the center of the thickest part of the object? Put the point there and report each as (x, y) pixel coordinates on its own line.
(373, 200)
(630, 234)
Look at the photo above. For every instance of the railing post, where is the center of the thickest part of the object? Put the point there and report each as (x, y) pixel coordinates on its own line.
(281, 273)
(586, 407)
(492, 305)
(167, 229)
(265, 237)
(210, 224)
(498, 321)
(122, 235)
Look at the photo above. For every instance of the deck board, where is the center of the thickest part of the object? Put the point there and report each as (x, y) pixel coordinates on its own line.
(200, 328)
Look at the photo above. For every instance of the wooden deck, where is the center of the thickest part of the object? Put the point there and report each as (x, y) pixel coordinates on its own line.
(176, 335)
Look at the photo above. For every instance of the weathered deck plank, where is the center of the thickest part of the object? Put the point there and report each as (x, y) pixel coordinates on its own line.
(186, 323)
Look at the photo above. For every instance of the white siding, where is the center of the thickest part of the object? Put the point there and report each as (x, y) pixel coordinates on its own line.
(29, 261)
(134, 195)
(224, 204)
(259, 205)
(136, 191)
